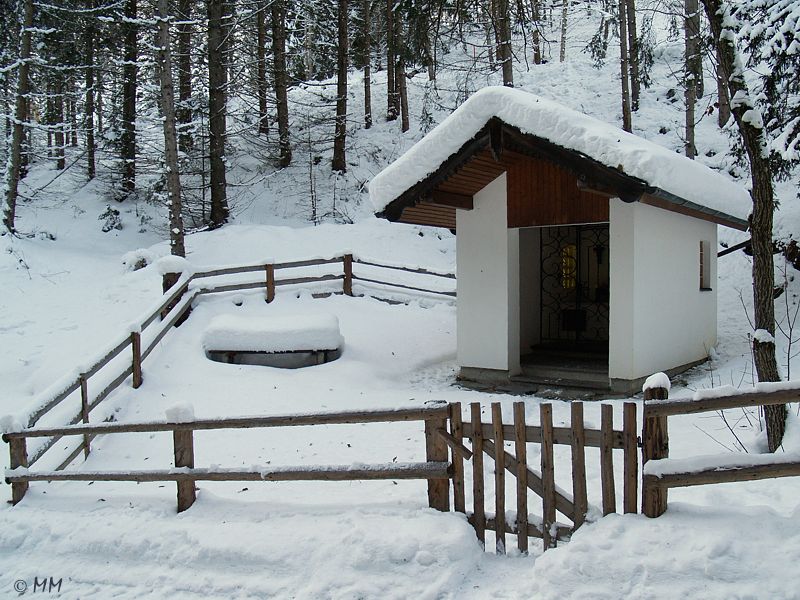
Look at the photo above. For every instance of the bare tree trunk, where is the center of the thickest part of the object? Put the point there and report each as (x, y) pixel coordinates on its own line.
(633, 52)
(691, 19)
(689, 147)
(73, 115)
(430, 60)
(694, 45)
(564, 14)
(340, 135)
(167, 98)
(50, 118)
(402, 86)
(761, 220)
(623, 67)
(490, 45)
(88, 118)
(309, 44)
(278, 13)
(20, 117)
(129, 85)
(184, 108)
(58, 107)
(99, 98)
(537, 45)
(367, 35)
(217, 82)
(503, 25)
(6, 113)
(723, 97)
(261, 68)
(391, 62)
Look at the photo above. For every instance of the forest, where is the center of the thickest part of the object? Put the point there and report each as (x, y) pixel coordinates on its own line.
(103, 76)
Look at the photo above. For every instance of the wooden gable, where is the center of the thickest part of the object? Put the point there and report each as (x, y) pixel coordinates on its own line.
(539, 193)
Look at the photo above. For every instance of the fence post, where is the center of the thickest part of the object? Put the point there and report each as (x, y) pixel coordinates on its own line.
(167, 281)
(607, 459)
(521, 449)
(436, 451)
(478, 509)
(183, 441)
(457, 430)
(655, 445)
(270, 269)
(136, 350)
(19, 458)
(549, 539)
(631, 478)
(578, 448)
(85, 412)
(499, 479)
(347, 259)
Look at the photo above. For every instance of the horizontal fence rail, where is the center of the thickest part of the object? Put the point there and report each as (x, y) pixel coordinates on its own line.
(436, 469)
(171, 310)
(424, 470)
(660, 473)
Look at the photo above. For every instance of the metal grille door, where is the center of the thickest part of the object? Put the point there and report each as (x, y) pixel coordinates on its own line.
(574, 280)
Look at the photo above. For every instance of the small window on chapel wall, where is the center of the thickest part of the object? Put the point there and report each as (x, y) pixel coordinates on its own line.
(705, 266)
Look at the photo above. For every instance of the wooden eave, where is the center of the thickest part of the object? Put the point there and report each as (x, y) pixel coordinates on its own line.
(434, 200)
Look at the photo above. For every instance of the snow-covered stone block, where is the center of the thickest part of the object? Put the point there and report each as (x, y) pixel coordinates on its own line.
(273, 334)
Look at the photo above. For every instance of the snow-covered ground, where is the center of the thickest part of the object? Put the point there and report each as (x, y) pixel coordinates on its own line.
(342, 540)
(65, 299)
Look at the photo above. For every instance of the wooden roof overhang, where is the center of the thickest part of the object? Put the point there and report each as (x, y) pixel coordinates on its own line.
(498, 148)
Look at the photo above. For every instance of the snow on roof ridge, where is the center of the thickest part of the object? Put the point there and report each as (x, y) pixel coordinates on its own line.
(635, 156)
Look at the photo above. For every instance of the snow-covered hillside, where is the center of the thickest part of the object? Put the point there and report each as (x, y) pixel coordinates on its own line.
(67, 292)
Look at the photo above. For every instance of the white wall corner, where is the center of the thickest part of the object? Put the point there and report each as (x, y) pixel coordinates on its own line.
(482, 255)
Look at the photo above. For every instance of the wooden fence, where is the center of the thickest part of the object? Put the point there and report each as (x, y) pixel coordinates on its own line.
(489, 439)
(664, 473)
(269, 282)
(445, 430)
(436, 469)
(172, 309)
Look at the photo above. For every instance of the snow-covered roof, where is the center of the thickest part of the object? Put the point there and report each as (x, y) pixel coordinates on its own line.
(655, 165)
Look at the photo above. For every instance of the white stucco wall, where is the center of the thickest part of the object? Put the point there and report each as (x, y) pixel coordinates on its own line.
(487, 254)
(659, 318)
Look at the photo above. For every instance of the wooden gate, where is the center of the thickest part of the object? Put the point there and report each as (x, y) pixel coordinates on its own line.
(489, 439)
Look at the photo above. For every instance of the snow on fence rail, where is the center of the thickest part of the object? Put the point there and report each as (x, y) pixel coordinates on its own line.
(174, 306)
(436, 468)
(661, 473)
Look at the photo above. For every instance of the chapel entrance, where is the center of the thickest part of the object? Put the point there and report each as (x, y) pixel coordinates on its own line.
(572, 308)
(574, 287)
